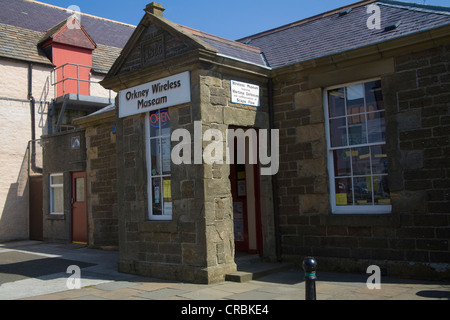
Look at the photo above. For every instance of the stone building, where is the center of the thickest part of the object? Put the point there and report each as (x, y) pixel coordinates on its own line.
(358, 115)
(328, 137)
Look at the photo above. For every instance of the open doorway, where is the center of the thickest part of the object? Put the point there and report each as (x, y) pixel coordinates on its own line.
(245, 190)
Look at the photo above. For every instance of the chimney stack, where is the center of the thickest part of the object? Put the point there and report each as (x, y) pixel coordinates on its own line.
(155, 8)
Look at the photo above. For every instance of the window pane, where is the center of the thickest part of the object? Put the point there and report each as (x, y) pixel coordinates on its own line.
(379, 159)
(159, 119)
(166, 155)
(79, 190)
(363, 190)
(342, 162)
(376, 127)
(338, 132)
(381, 190)
(167, 195)
(361, 161)
(355, 99)
(154, 123)
(355, 94)
(57, 197)
(344, 195)
(156, 196)
(156, 156)
(56, 179)
(336, 102)
(374, 97)
(164, 116)
(357, 129)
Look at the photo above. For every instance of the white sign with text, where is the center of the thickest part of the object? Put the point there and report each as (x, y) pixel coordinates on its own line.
(155, 95)
(245, 93)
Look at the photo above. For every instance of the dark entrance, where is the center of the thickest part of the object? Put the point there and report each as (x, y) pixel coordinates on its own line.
(245, 190)
(36, 214)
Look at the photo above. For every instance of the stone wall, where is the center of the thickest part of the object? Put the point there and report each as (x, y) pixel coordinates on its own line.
(59, 157)
(197, 245)
(414, 239)
(173, 249)
(101, 166)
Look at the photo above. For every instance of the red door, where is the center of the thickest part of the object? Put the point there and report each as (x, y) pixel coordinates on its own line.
(79, 214)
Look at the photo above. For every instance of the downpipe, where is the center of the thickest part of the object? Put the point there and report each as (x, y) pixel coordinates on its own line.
(34, 167)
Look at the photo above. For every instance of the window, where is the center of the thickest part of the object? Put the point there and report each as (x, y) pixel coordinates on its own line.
(356, 138)
(57, 193)
(158, 164)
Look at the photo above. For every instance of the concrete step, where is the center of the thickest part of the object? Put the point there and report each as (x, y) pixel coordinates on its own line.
(251, 268)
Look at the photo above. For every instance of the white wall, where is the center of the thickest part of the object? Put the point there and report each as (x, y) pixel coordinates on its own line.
(15, 132)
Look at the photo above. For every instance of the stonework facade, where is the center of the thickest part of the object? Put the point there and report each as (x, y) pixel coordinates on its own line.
(415, 91)
(405, 231)
(101, 168)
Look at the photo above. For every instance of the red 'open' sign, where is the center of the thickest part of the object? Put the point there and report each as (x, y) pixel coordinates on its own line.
(162, 115)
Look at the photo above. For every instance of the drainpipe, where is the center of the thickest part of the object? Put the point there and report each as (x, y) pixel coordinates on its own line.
(274, 179)
(33, 120)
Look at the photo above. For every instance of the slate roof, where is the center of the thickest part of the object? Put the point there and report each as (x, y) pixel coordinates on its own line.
(331, 33)
(229, 48)
(24, 22)
(20, 43)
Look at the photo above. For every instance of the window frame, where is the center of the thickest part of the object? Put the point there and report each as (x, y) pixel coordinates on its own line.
(52, 187)
(150, 176)
(352, 208)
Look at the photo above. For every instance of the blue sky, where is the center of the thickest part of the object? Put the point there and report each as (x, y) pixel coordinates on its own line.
(231, 19)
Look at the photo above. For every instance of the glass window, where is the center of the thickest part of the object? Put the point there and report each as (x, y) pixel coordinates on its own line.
(79, 190)
(57, 194)
(159, 164)
(357, 152)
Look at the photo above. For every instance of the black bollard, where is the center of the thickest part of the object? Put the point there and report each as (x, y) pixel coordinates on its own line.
(310, 267)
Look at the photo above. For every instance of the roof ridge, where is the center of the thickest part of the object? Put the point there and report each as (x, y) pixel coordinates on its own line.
(309, 19)
(82, 13)
(416, 6)
(210, 36)
(57, 29)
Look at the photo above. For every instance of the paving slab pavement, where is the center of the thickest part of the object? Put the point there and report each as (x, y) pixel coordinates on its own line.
(100, 280)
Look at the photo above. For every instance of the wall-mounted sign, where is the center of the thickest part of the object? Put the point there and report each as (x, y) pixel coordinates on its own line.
(155, 95)
(245, 93)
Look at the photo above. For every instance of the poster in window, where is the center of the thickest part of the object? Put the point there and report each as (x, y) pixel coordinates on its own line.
(242, 191)
(168, 208)
(238, 211)
(341, 199)
(156, 189)
(238, 231)
(165, 147)
(167, 191)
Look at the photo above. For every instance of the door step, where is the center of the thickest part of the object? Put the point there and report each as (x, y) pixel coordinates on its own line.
(251, 268)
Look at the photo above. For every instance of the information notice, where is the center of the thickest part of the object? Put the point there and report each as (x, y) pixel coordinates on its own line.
(245, 93)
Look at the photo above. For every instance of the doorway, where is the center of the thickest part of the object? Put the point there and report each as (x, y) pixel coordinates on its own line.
(245, 190)
(79, 213)
(36, 213)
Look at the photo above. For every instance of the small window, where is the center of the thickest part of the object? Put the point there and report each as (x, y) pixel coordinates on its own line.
(357, 160)
(159, 164)
(57, 193)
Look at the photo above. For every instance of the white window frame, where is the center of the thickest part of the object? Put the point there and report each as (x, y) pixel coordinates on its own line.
(347, 209)
(54, 186)
(150, 176)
